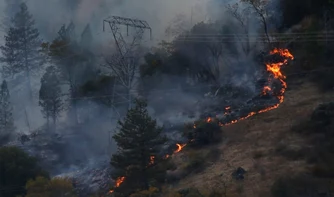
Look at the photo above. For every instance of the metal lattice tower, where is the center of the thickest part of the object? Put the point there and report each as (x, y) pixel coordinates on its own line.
(139, 25)
(123, 64)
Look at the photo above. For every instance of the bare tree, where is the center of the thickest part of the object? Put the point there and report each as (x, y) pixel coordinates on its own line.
(243, 14)
(198, 44)
(243, 18)
(260, 8)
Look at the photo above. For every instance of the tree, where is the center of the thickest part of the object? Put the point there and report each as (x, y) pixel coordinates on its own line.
(9, 54)
(22, 48)
(75, 65)
(203, 52)
(43, 187)
(11, 7)
(16, 168)
(50, 95)
(6, 112)
(259, 7)
(242, 16)
(139, 141)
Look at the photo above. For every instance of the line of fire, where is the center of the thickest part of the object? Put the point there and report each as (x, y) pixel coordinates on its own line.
(275, 60)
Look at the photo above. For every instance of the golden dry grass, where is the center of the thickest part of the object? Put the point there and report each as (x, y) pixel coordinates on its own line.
(251, 144)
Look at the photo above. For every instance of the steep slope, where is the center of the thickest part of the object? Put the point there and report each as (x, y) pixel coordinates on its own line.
(261, 145)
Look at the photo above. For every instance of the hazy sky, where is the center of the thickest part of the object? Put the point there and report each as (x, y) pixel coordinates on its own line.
(51, 14)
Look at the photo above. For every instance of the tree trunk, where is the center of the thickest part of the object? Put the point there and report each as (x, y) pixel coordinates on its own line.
(47, 121)
(54, 118)
(74, 107)
(29, 85)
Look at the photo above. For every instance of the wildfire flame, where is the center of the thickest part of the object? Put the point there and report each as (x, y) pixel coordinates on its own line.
(119, 181)
(179, 147)
(275, 70)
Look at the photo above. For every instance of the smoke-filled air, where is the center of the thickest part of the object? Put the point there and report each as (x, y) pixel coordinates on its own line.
(166, 98)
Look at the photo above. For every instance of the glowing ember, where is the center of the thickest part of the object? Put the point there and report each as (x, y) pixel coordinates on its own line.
(227, 110)
(151, 160)
(265, 90)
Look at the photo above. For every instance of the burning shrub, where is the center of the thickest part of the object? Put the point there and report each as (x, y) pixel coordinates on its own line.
(203, 133)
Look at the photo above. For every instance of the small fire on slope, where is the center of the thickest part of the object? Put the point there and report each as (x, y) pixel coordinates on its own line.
(275, 71)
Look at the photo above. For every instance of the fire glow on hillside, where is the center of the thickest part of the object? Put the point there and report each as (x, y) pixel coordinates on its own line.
(274, 69)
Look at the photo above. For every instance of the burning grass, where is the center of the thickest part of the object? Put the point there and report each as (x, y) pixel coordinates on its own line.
(206, 132)
(268, 150)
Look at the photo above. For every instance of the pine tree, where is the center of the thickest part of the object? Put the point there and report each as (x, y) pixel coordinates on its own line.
(50, 95)
(139, 141)
(11, 7)
(10, 54)
(6, 111)
(76, 65)
(23, 43)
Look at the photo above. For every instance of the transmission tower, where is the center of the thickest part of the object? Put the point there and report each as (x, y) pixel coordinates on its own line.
(115, 23)
(124, 65)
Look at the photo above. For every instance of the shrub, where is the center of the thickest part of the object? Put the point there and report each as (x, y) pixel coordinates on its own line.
(203, 133)
(151, 192)
(16, 168)
(49, 188)
(294, 11)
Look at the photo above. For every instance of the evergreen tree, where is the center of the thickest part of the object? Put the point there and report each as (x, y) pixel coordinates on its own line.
(11, 7)
(23, 43)
(6, 111)
(75, 64)
(50, 95)
(139, 141)
(9, 54)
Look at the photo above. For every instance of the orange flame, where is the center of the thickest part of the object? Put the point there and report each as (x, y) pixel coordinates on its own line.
(275, 70)
(179, 147)
(272, 68)
(119, 181)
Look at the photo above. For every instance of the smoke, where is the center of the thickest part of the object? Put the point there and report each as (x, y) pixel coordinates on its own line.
(168, 102)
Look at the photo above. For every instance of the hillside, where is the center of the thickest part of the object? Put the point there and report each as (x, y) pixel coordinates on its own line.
(264, 145)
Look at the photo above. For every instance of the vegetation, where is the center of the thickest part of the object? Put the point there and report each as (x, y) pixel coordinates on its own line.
(139, 142)
(202, 58)
(16, 168)
(203, 133)
(43, 187)
(50, 95)
(21, 50)
(6, 114)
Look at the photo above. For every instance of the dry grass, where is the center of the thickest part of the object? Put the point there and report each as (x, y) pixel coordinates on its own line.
(251, 145)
